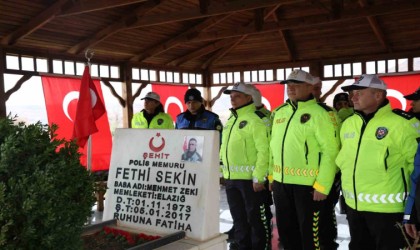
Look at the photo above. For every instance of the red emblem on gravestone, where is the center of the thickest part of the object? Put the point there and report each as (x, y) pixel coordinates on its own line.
(158, 148)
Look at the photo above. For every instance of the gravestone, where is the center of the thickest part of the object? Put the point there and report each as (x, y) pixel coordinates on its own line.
(155, 184)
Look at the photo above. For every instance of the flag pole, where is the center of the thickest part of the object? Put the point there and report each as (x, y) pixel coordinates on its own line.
(88, 55)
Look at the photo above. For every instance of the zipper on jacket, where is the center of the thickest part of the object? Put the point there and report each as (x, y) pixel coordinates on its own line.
(227, 142)
(386, 159)
(284, 139)
(362, 130)
(246, 151)
(306, 152)
(319, 159)
(405, 185)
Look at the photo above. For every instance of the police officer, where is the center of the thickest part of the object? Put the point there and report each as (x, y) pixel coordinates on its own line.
(266, 195)
(303, 147)
(415, 103)
(376, 158)
(342, 104)
(196, 116)
(153, 115)
(327, 218)
(412, 208)
(244, 153)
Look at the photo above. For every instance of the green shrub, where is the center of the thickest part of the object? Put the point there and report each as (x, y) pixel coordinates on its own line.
(46, 196)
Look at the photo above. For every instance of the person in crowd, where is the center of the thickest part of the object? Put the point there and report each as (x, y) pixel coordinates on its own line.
(266, 193)
(153, 115)
(412, 208)
(327, 218)
(303, 147)
(244, 153)
(411, 219)
(341, 100)
(376, 159)
(191, 153)
(343, 105)
(415, 103)
(196, 116)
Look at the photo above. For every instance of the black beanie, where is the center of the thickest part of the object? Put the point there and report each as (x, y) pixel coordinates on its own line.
(193, 95)
(340, 97)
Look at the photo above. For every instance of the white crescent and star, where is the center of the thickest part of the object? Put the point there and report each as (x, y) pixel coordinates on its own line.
(174, 100)
(399, 96)
(266, 103)
(74, 95)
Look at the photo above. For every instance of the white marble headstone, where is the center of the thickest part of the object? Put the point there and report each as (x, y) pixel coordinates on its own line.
(151, 188)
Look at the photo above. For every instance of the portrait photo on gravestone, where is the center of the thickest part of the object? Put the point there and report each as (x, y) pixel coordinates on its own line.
(192, 149)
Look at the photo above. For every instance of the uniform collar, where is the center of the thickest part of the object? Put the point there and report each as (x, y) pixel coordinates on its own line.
(302, 104)
(384, 108)
(188, 114)
(247, 108)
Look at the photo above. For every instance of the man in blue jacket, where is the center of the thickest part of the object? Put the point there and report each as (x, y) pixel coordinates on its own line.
(196, 116)
(412, 207)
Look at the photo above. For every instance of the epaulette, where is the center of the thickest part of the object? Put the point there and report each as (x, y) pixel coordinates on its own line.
(281, 106)
(403, 114)
(260, 114)
(325, 106)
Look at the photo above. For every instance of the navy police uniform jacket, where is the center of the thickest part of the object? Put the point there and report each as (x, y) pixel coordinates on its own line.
(203, 120)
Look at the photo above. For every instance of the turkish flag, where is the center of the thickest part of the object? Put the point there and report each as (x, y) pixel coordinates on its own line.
(272, 94)
(398, 86)
(61, 98)
(171, 97)
(89, 109)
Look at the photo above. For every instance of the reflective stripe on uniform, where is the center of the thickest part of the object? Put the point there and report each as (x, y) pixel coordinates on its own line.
(297, 171)
(376, 198)
(240, 169)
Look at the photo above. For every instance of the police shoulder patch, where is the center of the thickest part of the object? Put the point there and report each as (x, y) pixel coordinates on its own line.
(260, 114)
(325, 106)
(242, 124)
(403, 114)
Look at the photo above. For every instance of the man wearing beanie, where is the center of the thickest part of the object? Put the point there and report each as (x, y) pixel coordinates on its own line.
(412, 206)
(343, 106)
(196, 116)
(415, 103)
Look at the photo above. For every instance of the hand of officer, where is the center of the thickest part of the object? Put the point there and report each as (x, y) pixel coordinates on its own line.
(411, 230)
(319, 196)
(258, 187)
